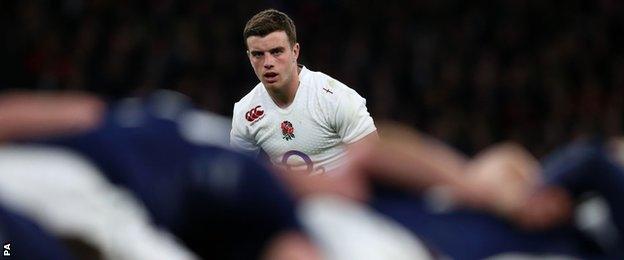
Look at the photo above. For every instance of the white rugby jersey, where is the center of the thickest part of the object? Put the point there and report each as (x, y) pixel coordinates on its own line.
(311, 132)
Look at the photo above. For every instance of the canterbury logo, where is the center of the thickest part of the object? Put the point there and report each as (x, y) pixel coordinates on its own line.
(254, 113)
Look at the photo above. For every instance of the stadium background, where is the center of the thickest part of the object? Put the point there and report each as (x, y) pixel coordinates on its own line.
(538, 72)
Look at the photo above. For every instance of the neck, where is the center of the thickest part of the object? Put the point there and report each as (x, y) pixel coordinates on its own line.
(283, 97)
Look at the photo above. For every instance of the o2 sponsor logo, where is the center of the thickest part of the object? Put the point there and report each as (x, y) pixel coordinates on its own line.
(292, 161)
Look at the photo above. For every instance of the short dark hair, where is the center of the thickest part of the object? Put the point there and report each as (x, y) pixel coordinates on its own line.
(269, 21)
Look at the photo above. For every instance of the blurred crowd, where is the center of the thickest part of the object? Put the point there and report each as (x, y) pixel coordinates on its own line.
(471, 74)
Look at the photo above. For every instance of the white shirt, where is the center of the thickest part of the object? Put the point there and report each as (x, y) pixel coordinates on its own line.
(68, 196)
(311, 132)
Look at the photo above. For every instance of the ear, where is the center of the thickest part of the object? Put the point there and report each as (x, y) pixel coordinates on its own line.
(295, 52)
(248, 55)
(247, 48)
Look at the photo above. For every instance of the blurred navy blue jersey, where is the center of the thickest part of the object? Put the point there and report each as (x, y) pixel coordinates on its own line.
(206, 195)
(23, 239)
(469, 234)
(588, 167)
(580, 167)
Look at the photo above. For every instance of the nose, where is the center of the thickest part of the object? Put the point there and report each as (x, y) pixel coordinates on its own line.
(268, 61)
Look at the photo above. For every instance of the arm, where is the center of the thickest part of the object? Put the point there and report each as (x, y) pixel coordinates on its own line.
(413, 161)
(291, 245)
(365, 143)
(513, 177)
(507, 170)
(240, 138)
(36, 114)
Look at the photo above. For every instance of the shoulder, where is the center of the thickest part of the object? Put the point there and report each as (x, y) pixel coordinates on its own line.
(329, 92)
(327, 86)
(250, 101)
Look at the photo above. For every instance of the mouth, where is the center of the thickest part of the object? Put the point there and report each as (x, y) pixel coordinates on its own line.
(270, 77)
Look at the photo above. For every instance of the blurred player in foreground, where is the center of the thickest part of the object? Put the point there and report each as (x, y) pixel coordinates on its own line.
(227, 206)
(221, 204)
(301, 118)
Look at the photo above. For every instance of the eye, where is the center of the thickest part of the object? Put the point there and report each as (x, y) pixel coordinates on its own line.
(277, 52)
(256, 54)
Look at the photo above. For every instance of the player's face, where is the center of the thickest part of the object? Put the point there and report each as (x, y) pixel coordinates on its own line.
(273, 59)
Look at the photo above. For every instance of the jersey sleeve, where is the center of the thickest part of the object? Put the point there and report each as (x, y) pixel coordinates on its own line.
(352, 120)
(240, 138)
